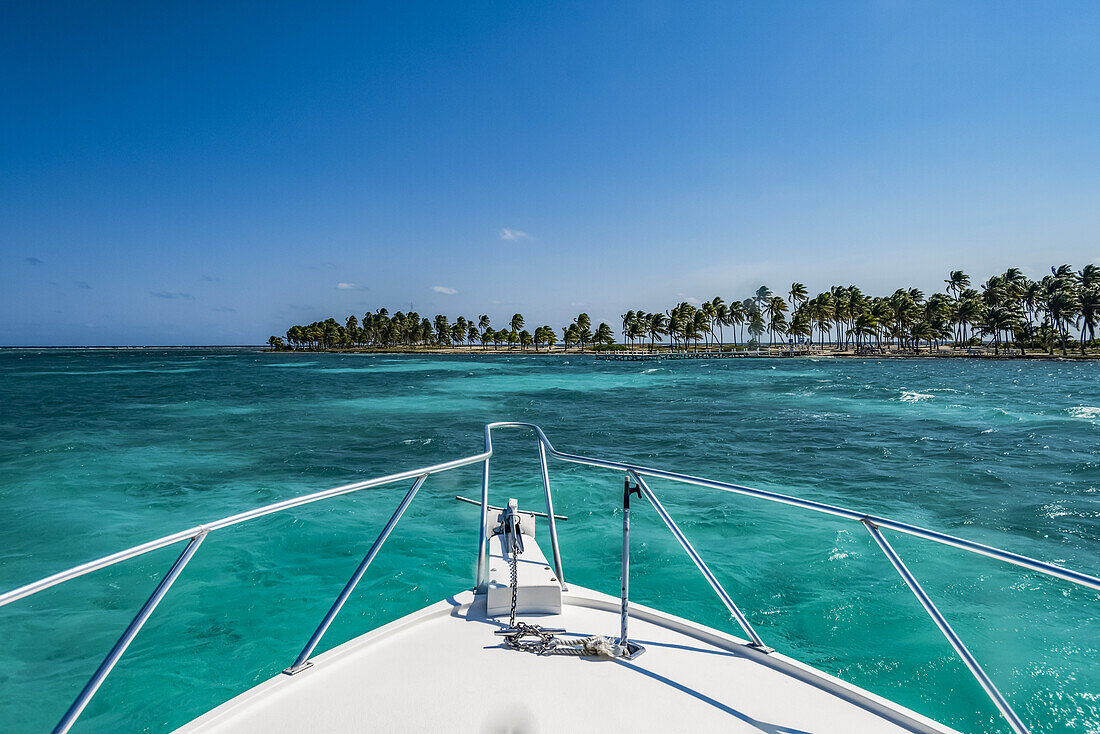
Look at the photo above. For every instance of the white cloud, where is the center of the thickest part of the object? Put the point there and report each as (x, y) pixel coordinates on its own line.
(690, 299)
(444, 290)
(513, 234)
(347, 286)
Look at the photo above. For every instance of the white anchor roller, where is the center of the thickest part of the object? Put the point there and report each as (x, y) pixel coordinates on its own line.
(537, 588)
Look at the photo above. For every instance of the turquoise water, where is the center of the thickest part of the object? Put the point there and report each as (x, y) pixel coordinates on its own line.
(105, 449)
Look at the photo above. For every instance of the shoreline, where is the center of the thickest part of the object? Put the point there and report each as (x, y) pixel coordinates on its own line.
(639, 355)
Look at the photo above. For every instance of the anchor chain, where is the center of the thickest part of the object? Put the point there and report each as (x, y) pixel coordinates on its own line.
(532, 637)
(518, 632)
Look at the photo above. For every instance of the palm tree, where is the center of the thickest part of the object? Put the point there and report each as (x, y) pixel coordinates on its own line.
(967, 311)
(570, 336)
(756, 326)
(603, 335)
(1062, 301)
(483, 326)
(584, 329)
(1089, 280)
(442, 329)
(864, 327)
(516, 323)
(995, 320)
(922, 330)
(721, 318)
(708, 313)
(699, 326)
(839, 305)
(957, 283)
(801, 323)
(656, 326)
(737, 317)
(797, 295)
(636, 330)
(628, 320)
(774, 308)
(822, 314)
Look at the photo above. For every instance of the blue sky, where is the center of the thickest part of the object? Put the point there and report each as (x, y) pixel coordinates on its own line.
(204, 173)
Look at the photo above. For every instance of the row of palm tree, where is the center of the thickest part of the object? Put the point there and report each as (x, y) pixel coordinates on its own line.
(1008, 308)
(380, 330)
(1043, 313)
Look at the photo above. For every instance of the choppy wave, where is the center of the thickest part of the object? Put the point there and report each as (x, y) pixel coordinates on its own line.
(914, 397)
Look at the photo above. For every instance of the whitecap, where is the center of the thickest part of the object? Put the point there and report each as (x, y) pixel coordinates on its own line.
(1085, 411)
(912, 397)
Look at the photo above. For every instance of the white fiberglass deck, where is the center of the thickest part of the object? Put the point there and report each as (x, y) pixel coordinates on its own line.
(443, 669)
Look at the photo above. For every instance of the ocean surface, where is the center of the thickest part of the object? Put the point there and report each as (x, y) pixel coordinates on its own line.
(103, 449)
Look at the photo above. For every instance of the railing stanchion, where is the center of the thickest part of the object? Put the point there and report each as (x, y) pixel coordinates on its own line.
(754, 638)
(482, 580)
(971, 663)
(627, 649)
(128, 636)
(556, 551)
(303, 658)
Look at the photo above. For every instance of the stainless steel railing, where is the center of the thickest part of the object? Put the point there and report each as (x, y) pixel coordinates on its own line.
(195, 536)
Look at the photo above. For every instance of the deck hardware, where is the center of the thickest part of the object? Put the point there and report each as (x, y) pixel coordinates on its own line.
(626, 648)
(517, 632)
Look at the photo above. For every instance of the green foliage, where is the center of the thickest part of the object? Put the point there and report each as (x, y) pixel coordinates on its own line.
(1009, 311)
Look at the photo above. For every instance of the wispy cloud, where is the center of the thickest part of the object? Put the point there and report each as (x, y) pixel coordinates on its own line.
(224, 309)
(172, 294)
(32, 261)
(513, 234)
(444, 290)
(690, 299)
(82, 284)
(350, 287)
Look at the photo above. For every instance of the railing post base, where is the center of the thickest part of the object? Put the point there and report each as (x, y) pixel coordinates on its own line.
(297, 668)
(629, 651)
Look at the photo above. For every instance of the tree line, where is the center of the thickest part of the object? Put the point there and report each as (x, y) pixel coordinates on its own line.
(1057, 311)
(381, 330)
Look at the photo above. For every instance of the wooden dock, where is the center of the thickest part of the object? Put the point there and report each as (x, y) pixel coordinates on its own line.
(661, 356)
